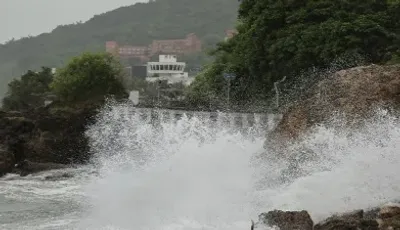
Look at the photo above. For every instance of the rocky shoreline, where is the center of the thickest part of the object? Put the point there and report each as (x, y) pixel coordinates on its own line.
(386, 217)
(46, 138)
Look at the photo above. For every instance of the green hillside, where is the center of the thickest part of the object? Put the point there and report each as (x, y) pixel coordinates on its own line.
(137, 24)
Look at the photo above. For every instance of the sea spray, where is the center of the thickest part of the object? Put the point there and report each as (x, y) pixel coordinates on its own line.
(188, 174)
(185, 172)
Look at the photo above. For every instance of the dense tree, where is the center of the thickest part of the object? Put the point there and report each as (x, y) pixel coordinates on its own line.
(89, 76)
(286, 37)
(29, 91)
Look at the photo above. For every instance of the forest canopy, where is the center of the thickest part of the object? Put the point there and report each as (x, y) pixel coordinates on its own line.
(282, 39)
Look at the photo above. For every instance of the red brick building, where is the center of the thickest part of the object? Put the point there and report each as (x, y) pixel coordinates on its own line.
(190, 44)
(127, 51)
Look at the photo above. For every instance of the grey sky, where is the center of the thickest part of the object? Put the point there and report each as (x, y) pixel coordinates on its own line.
(20, 18)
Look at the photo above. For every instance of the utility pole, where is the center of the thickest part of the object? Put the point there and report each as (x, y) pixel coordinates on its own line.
(229, 93)
(209, 100)
(277, 90)
(229, 76)
(158, 93)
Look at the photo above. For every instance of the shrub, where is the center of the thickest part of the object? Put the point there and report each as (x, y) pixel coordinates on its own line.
(89, 76)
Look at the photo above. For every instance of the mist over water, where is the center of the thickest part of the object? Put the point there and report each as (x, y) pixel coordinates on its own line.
(191, 173)
(163, 171)
(342, 170)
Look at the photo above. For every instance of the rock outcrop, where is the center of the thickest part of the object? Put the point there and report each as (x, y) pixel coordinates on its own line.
(389, 217)
(7, 161)
(286, 220)
(351, 93)
(27, 167)
(45, 138)
(354, 220)
(386, 217)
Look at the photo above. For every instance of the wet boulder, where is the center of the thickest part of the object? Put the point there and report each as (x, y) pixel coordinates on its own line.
(285, 220)
(389, 217)
(27, 167)
(386, 217)
(348, 221)
(353, 94)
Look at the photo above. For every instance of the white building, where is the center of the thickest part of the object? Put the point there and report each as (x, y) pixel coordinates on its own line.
(167, 68)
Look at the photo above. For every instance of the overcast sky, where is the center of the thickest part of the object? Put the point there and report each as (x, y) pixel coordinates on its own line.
(20, 18)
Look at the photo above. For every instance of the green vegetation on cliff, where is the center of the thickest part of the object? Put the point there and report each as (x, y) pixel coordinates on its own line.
(137, 24)
(287, 38)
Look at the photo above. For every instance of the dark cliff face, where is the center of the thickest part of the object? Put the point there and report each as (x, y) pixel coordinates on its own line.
(52, 134)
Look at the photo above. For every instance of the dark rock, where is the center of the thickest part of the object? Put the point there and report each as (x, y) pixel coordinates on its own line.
(15, 130)
(386, 217)
(342, 224)
(356, 215)
(7, 161)
(348, 221)
(371, 214)
(59, 134)
(298, 220)
(58, 177)
(388, 211)
(353, 93)
(17, 147)
(52, 134)
(27, 167)
(15, 127)
(389, 217)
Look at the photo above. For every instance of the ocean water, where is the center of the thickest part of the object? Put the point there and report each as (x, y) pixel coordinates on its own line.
(190, 173)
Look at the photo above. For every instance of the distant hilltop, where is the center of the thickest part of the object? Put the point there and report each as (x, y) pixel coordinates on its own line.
(190, 44)
(136, 25)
